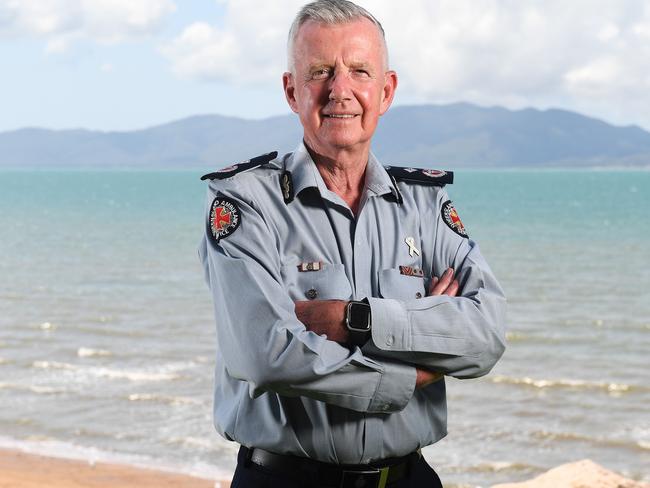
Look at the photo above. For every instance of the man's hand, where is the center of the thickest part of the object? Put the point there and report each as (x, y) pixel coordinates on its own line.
(425, 377)
(445, 285)
(324, 317)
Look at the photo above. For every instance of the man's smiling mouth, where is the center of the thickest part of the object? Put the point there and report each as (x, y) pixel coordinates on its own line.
(341, 116)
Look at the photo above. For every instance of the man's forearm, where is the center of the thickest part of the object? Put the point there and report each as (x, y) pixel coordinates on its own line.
(327, 317)
(324, 317)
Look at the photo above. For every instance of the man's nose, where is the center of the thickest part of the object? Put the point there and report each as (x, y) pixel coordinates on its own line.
(340, 89)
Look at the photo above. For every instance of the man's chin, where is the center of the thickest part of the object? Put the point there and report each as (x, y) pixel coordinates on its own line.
(344, 141)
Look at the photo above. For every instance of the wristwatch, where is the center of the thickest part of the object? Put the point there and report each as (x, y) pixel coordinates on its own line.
(358, 320)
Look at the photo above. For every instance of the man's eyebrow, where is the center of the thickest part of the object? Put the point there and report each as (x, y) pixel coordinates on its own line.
(360, 64)
(319, 65)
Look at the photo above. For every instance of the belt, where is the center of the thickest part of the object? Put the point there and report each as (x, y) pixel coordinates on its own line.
(335, 475)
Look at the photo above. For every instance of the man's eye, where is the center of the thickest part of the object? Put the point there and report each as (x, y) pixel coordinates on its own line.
(320, 74)
(361, 72)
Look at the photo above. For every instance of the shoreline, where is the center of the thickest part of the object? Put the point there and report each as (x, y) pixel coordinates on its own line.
(19, 469)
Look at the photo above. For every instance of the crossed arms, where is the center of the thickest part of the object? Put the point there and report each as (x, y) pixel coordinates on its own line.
(327, 317)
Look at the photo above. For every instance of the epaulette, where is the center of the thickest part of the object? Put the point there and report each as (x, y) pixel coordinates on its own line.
(229, 171)
(434, 177)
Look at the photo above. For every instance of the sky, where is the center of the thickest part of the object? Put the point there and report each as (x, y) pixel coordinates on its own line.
(130, 64)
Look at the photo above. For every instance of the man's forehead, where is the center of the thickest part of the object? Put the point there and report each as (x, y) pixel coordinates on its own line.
(319, 42)
(362, 27)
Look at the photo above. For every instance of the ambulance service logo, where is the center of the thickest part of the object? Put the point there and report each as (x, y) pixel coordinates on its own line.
(451, 218)
(224, 218)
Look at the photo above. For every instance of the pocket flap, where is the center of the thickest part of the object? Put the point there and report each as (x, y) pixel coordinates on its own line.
(393, 284)
(329, 283)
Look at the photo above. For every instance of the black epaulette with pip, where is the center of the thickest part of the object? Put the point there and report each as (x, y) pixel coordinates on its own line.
(229, 171)
(433, 177)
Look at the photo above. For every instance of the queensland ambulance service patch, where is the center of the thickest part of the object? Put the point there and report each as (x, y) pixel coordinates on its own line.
(224, 218)
(451, 218)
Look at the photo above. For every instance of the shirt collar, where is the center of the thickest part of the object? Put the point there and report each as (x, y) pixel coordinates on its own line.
(305, 174)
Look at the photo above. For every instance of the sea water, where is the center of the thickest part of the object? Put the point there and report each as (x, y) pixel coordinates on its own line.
(107, 333)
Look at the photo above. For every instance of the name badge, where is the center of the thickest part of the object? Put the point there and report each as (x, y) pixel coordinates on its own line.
(310, 266)
(410, 271)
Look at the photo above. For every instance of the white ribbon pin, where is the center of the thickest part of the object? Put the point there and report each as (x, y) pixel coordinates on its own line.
(411, 244)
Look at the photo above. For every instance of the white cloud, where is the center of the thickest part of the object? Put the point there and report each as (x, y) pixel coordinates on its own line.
(595, 77)
(63, 22)
(586, 55)
(249, 48)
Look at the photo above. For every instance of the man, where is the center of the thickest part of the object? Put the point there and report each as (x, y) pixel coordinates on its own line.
(343, 291)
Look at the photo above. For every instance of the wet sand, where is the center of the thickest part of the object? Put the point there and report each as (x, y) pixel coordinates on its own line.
(22, 470)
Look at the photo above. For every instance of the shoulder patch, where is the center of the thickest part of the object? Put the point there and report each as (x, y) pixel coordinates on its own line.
(434, 177)
(224, 218)
(451, 218)
(229, 171)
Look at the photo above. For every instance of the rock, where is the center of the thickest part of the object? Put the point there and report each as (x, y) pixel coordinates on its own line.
(581, 474)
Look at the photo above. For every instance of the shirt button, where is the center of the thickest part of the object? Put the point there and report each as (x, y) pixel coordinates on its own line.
(389, 340)
(312, 293)
(418, 295)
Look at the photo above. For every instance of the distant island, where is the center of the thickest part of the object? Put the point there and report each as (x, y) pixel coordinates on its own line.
(451, 136)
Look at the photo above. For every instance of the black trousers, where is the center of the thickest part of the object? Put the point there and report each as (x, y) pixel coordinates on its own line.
(249, 475)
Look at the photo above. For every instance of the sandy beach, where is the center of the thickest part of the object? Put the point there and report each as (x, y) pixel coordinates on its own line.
(22, 470)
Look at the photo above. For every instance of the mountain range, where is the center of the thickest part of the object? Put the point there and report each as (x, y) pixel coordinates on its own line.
(433, 136)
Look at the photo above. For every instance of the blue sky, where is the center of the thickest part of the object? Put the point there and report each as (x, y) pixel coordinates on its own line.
(127, 64)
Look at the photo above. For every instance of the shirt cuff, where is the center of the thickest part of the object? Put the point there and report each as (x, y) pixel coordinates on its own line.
(395, 389)
(391, 329)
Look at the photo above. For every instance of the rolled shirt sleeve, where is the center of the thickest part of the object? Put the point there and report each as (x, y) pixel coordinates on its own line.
(262, 341)
(462, 336)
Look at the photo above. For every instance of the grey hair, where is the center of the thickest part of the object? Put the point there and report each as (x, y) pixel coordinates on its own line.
(330, 12)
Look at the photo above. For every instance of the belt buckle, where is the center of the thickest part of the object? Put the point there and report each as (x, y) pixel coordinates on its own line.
(368, 478)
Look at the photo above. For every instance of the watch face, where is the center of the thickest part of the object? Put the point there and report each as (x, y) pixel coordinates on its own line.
(359, 316)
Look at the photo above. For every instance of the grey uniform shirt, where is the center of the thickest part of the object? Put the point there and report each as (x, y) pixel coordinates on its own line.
(283, 388)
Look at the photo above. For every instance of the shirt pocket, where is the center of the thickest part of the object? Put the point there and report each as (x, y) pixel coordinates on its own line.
(329, 283)
(393, 284)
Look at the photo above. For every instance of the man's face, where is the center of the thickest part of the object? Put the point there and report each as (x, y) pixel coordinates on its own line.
(339, 86)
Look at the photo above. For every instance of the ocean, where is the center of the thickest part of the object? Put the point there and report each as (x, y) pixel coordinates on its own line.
(107, 334)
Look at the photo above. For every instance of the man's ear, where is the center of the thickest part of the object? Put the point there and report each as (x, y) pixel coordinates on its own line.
(388, 92)
(290, 90)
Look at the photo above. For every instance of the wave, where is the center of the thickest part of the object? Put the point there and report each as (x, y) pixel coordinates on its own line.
(206, 444)
(517, 337)
(102, 372)
(41, 390)
(603, 441)
(109, 331)
(87, 352)
(615, 388)
(65, 450)
(493, 467)
(170, 400)
(512, 337)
